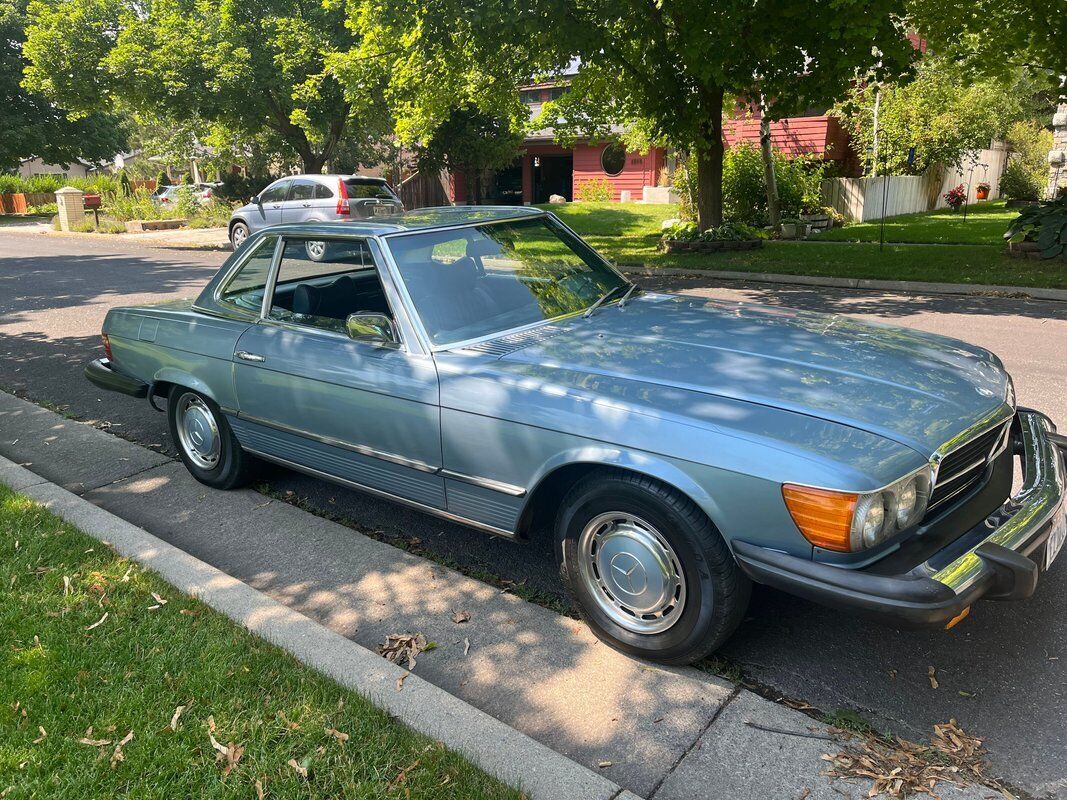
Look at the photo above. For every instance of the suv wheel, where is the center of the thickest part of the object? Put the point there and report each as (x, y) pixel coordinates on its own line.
(238, 234)
(647, 570)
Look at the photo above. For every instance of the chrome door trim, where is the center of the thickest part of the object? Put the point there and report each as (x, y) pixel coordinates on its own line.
(437, 512)
(362, 450)
(485, 483)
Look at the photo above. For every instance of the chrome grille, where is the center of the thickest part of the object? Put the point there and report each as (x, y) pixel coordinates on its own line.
(964, 466)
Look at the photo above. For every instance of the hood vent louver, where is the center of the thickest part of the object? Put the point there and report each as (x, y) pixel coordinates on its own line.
(504, 345)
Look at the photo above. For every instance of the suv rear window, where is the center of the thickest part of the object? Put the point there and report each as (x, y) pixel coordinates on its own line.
(360, 190)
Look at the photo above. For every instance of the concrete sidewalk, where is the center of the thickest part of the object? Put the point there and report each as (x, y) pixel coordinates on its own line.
(661, 733)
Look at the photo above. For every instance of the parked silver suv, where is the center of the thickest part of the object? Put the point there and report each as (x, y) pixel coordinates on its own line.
(313, 198)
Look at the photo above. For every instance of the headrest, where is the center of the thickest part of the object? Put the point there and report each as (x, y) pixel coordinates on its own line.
(306, 299)
(463, 271)
(476, 248)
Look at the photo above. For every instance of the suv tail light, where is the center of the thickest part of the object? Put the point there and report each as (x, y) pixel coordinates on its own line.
(343, 209)
(107, 347)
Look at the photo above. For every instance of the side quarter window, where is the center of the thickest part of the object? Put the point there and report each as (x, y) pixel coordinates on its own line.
(244, 289)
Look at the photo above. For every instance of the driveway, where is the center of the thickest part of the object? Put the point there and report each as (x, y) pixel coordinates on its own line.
(1000, 673)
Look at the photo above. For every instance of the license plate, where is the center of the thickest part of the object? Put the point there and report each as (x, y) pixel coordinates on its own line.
(382, 211)
(1057, 537)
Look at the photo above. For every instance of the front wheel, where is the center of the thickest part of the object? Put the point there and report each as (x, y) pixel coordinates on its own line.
(238, 234)
(647, 569)
(205, 441)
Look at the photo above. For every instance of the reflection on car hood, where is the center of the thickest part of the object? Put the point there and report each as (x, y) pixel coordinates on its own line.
(914, 388)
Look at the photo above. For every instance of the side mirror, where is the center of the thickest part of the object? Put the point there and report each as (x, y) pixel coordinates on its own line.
(255, 201)
(368, 326)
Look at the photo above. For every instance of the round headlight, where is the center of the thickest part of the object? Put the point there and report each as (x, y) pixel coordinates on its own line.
(907, 499)
(868, 524)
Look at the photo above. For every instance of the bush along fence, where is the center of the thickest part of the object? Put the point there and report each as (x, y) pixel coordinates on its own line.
(24, 195)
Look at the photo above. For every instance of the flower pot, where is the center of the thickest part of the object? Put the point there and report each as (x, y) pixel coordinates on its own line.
(789, 230)
(982, 193)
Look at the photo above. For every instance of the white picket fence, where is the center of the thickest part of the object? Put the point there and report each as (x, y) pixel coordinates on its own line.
(861, 199)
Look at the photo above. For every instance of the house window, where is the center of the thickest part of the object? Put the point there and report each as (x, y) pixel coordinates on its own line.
(613, 159)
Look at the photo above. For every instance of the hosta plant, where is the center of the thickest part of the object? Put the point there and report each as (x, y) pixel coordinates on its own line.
(1045, 224)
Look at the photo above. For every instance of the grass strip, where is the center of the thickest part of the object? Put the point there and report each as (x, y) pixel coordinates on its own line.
(94, 648)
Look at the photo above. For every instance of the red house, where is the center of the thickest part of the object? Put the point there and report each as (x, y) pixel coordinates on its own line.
(546, 168)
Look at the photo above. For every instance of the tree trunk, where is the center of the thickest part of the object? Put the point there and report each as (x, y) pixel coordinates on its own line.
(709, 153)
(774, 213)
(313, 162)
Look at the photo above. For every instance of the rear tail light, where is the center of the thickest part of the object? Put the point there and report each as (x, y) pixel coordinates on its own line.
(343, 209)
(107, 347)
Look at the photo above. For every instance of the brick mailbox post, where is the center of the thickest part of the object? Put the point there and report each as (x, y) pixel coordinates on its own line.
(71, 203)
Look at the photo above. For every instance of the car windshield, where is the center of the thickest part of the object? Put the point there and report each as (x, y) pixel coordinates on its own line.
(361, 190)
(471, 282)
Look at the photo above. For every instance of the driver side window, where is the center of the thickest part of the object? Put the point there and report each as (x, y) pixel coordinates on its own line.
(321, 282)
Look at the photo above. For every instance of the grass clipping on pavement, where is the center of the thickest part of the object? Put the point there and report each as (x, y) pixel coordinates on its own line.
(112, 683)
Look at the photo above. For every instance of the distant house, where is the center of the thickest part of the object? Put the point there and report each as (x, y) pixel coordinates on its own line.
(35, 166)
(546, 168)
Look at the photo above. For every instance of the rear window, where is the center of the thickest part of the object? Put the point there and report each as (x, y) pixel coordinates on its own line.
(360, 190)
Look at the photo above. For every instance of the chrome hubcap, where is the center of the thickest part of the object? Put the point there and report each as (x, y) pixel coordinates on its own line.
(239, 235)
(316, 250)
(198, 432)
(632, 572)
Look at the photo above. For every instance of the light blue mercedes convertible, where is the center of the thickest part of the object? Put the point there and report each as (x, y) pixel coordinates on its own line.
(486, 365)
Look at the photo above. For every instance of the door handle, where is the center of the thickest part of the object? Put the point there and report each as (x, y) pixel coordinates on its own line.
(244, 355)
(307, 205)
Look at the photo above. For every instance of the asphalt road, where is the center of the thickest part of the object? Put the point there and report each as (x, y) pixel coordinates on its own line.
(1001, 673)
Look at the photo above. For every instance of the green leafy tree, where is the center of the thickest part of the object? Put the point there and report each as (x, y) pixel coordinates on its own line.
(995, 37)
(470, 143)
(942, 112)
(32, 125)
(671, 62)
(249, 68)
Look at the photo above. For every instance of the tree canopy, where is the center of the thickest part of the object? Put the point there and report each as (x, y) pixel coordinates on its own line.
(670, 62)
(31, 124)
(265, 67)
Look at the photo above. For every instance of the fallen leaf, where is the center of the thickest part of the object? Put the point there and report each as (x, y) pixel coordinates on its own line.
(42, 737)
(400, 648)
(259, 789)
(177, 715)
(126, 578)
(400, 681)
(158, 599)
(459, 617)
(336, 734)
(604, 764)
(66, 585)
(94, 742)
(211, 723)
(99, 622)
(292, 726)
(301, 770)
(118, 756)
(931, 673)
(466, 646)
(402, 776)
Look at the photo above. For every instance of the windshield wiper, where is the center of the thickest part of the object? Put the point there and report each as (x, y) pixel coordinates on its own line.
(603, 299)
(629, 293)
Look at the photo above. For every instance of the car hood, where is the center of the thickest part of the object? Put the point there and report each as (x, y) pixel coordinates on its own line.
(914, 388)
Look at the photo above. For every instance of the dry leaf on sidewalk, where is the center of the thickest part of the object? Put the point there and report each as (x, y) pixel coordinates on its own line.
(466, 646)
(400, 648)
(900, 768)
(400, 681)
(931, 673)
(459, 617)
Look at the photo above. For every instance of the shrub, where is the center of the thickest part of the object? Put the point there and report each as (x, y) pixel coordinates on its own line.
(138, 205)
(956, 197)
(682, 231)
(188, 202)
(1027, 170)
(1019, 182)
(596, 190)
(732, 232)
(43, 210)
(1045, 224)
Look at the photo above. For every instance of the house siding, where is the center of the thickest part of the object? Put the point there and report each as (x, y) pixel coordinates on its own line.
(639, 171)
(821, 136)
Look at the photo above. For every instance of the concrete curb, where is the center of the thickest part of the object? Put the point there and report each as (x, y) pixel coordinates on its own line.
(912, 287)
(500, 750)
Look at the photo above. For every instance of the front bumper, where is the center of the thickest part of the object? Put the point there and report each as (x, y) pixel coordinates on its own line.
(101, 373)
(1003, 557)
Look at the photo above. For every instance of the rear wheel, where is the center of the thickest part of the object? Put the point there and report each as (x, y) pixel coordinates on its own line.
(205, 441)
(316, 250)
(648, 571)
(238, 234)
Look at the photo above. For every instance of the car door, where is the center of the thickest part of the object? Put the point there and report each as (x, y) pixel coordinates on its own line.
(311, 397)
(298, 204)
(268, 211)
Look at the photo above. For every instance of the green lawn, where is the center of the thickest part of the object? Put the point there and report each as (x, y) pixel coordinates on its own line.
(72, 693)
(985, 224)
(628, 235)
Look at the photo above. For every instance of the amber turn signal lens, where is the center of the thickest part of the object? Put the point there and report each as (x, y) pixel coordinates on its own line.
(824, 517)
